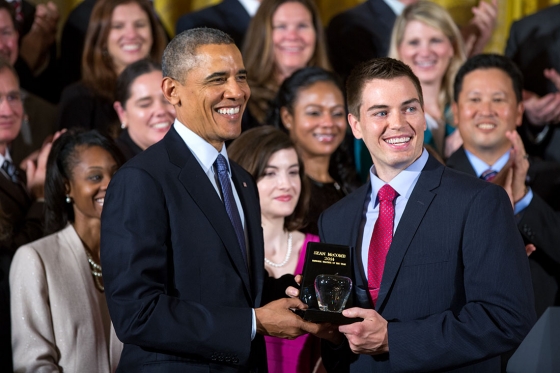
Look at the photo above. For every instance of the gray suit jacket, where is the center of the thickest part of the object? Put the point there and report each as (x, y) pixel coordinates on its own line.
(57, 322)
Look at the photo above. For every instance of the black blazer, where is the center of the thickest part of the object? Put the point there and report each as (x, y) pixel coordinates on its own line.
(72, 42)
(24, 214)
(539, 225)
(81, 107)
(534, 45)
(360, 34)
(178, 290)
(456, 285)
(228, 16)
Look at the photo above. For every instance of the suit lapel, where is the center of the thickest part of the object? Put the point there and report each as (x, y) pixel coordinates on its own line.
(235, 15)
(460, 162)
(195, 181)
(346, 233)
(14, 191)
(247, 195)
(383, 14)
(416, 208)
(361, 291)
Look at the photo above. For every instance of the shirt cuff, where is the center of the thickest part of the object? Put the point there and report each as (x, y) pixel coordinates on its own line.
(253, 325)
(523, 202)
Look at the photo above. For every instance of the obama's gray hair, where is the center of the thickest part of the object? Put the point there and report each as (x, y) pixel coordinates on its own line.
(180, 54)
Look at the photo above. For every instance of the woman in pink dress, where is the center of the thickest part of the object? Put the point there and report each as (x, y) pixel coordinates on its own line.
(270, 156)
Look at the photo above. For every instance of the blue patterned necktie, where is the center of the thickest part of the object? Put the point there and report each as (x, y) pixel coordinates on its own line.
(488, 175)
(12, 172)
(229, 202)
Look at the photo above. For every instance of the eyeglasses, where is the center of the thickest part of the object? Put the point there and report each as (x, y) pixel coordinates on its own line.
(13, 98)
(7, 33)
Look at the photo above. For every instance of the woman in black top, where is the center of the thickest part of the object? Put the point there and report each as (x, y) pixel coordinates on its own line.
(310, 106)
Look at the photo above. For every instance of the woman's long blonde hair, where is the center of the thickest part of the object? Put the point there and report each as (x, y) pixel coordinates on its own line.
(435, 16)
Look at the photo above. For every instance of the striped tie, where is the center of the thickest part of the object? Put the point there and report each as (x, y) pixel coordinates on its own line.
(488, 175)
(229, 202)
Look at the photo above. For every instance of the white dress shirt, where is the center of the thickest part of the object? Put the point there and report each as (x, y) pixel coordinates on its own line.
(206, 155)
(251, 6)
(396, 6)
(403, 184)
(480, 166)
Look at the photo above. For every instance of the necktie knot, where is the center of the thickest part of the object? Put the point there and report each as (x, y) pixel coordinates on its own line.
(488, 175)
(387, 193)
(221, 164)
(12, 171)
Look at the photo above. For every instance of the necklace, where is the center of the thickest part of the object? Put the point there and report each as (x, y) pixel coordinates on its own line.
(288, 253)
(96, 272)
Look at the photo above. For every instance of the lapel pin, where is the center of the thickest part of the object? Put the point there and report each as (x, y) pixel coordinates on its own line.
(244, 185)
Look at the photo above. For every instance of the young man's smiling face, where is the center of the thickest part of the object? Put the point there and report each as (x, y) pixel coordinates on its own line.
(391, 123)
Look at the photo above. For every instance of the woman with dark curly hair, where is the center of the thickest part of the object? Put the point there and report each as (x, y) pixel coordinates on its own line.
(310, 107)
(60, 319)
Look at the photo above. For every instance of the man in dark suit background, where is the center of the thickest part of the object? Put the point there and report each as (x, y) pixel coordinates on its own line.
(487, 110)
(36, 65)
(361, 33)
(181, 238)
(440, 271)
(229, 16)
(39, 115)
(21, 194)
(534, 45)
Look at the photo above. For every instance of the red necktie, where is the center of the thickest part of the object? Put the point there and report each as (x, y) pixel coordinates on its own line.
(381, 239)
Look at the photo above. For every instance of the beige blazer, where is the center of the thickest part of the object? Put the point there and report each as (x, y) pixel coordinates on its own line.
(57, 322)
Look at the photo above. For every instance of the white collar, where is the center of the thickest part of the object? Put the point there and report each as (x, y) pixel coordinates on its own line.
(205, 153)
(396, 6)
(251, 6)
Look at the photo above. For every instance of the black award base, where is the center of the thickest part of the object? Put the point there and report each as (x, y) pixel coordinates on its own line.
(320, 317)
(324, 259)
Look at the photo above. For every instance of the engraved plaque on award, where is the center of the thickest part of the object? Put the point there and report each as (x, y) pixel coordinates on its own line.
(327, 273)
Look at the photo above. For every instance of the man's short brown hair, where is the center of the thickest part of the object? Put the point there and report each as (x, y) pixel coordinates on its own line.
(378, 68)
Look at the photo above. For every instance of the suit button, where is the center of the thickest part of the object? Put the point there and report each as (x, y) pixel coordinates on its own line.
(235, 360)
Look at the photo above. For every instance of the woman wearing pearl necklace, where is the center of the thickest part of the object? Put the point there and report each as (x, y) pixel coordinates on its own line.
(270, 156)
